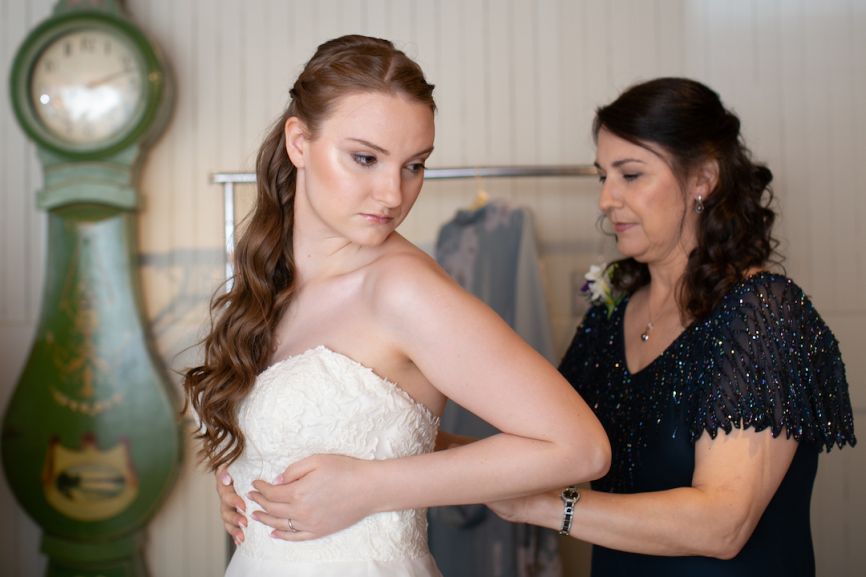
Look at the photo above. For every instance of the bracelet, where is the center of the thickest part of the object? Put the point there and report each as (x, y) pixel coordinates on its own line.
(570, 497)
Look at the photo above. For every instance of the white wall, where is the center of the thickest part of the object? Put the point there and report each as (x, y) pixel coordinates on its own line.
(517, 82)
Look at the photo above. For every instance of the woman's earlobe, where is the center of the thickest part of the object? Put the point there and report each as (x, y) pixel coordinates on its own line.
(708, 178)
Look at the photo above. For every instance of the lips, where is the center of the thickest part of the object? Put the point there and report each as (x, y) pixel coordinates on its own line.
(377, 218)
(621, 227)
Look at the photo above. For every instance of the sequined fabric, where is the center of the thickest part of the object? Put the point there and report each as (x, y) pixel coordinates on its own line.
(763, 359)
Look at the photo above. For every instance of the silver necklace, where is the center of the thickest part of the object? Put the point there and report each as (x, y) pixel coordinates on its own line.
(645, 335)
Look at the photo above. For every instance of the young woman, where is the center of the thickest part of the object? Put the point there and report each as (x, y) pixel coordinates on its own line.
(331, 357)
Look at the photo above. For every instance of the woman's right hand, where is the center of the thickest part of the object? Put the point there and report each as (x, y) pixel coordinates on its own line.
(232, 507)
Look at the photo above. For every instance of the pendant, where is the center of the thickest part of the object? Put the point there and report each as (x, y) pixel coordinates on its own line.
(644, 336)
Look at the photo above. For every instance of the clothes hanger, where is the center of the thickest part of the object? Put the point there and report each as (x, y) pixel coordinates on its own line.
(481, 195)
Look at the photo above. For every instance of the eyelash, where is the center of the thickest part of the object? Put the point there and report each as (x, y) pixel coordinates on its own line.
(626, 177)
(368, 160)
(365, 160)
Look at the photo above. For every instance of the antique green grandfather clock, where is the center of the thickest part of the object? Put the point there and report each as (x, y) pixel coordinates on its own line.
(90, 438)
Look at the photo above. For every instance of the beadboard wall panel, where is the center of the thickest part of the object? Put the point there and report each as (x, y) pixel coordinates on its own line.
(22, 246)
(517, 83)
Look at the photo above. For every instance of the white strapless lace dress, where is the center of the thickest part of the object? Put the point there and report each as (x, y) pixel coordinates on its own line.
(321, 401)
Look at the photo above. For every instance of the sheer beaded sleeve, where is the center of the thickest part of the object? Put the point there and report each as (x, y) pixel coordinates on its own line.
(770, 361)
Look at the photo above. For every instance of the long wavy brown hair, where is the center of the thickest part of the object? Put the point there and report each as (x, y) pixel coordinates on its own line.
(239, 344)
(734, 234)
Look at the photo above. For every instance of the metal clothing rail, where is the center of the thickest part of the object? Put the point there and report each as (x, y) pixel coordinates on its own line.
(453, 172)
(228, 180)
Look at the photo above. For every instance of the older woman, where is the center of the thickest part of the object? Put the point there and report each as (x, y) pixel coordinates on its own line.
(716, 380)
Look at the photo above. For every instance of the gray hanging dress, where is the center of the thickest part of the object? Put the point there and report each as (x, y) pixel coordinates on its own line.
(491, 252)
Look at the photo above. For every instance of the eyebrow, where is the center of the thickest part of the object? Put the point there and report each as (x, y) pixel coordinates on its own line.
(375, 147)
(378, 148)
(618, 163)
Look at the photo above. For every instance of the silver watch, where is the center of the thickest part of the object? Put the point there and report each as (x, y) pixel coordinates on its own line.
(570, 497)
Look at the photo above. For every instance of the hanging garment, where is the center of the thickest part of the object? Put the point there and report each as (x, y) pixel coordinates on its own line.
(491, 252)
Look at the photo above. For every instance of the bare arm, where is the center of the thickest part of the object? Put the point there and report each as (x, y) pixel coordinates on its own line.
(549, 437)
(233, 508)
(467, 352)
(735, 477)
(446, 440)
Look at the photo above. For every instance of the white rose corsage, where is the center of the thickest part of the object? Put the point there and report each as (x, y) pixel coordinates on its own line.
(598, 288)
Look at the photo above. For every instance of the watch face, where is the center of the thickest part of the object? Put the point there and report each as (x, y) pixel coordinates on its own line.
(87, 86)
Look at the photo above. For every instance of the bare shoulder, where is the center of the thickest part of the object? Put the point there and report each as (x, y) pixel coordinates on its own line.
(405, 274)
(405, 282)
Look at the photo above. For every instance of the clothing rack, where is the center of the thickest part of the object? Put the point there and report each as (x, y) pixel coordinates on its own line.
(228, 180)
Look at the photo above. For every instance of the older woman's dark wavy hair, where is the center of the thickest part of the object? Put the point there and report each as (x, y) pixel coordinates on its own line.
(243, 321)
(734, 233)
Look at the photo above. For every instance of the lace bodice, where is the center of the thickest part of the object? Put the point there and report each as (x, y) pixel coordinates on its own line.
(321, 401)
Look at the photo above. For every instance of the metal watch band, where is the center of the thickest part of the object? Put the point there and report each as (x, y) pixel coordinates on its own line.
(570, 497)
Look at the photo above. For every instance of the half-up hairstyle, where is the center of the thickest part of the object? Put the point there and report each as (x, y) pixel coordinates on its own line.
(734, 233)
(240, 342)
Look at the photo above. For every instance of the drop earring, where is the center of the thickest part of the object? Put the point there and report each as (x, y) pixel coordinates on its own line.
(699, 204)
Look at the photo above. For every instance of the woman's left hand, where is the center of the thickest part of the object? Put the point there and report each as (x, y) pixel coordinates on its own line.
(314, 497)
(511, 510)
(544, 509)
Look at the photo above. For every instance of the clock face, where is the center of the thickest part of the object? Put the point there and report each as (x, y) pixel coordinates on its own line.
(87, 86)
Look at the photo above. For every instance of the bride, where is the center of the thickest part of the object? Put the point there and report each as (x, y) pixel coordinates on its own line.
(331, 357)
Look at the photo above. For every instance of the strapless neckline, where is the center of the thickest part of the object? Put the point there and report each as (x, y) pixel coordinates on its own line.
(324, 349)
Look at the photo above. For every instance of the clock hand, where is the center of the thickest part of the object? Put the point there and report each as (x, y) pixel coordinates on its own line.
(107, 78)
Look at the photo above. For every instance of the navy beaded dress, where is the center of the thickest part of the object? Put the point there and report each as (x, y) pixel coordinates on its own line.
(762, 359)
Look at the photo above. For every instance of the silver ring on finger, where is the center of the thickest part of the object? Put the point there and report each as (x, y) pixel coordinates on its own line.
(291, 525)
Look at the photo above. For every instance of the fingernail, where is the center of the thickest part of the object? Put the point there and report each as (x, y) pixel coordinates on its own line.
(226, 479)
(237, 542)
(278, 480)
